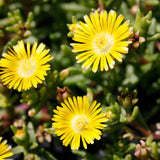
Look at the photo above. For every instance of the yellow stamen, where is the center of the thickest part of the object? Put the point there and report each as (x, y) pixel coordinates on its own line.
(26, 67)
(102, 43)
(79, 123)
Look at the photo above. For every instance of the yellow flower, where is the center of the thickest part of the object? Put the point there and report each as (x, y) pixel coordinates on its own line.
(101, 40)
(23, 68)
(77, 121)
(5, 150)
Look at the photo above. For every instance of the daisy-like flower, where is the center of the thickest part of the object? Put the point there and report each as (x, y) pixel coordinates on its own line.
(5, 150)
(22, 68)
(101, 39)
(77, 121)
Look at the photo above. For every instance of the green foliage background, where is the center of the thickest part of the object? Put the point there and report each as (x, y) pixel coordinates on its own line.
(131, 90)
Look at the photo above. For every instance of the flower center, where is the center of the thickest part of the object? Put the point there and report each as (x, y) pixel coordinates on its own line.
(102, 43)
(20, 133)
(79, 123)
(27, 67)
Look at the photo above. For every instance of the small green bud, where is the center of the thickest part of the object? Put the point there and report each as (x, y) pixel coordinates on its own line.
(12, 20)
(17, 15)
(63, 74)
(30, 17)
(27, 25)
(30, 102)
(128, 157)
(70, 34)
(20, 22)
(27, 33)
(134, 101)
(20, 32)
(126, 91)
(22, 101)
(16, 27)
(10, 14)
(134, 93)
(17, 18)
(10, 29)
(135, 113)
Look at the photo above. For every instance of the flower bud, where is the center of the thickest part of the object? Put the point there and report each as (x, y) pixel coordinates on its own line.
(135, 44)
(141, 40)
(19, 123)
(63, 74)
(136, 35)
(30, 17)
(20, 134)
(16, 27)
(31, 112)
(27, 33)
(63, 93)
(127, 99)
(143, 152)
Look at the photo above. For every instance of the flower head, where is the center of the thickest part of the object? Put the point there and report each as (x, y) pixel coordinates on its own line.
(23, 68)
(101, 39)
(5, 150)
(77, 121)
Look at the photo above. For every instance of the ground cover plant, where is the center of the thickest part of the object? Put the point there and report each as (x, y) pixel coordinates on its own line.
(79, 79)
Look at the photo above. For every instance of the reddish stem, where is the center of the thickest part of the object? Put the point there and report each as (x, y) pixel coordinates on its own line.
(144, 131)
(100, 5)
